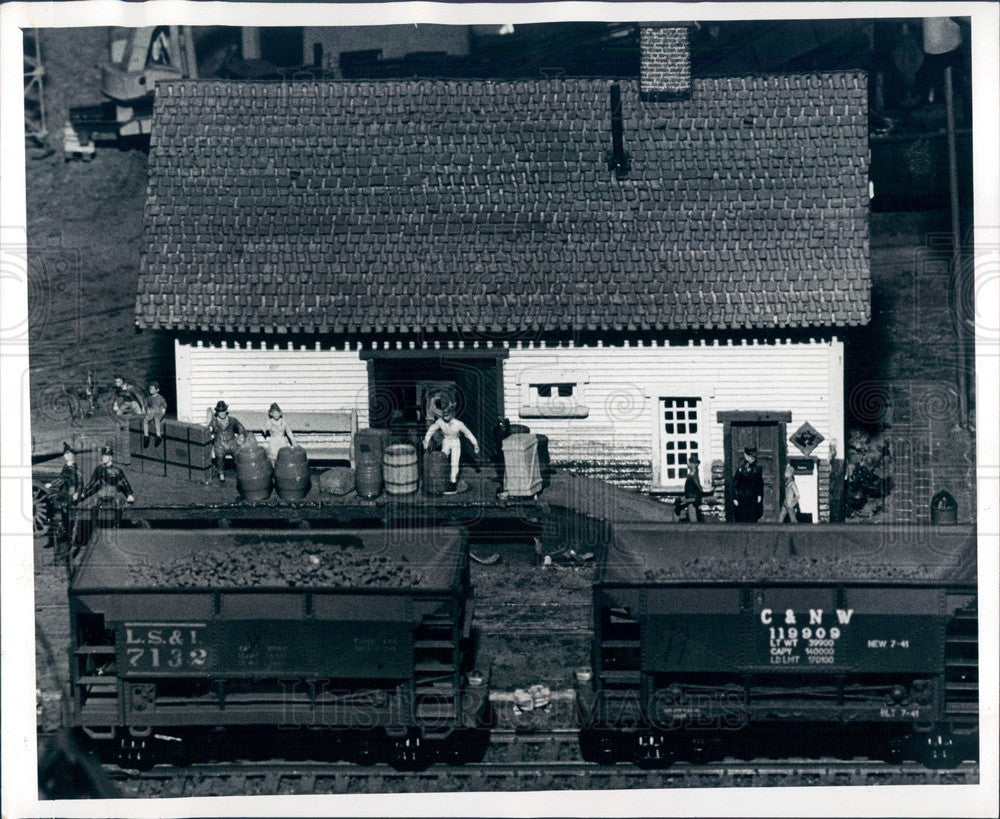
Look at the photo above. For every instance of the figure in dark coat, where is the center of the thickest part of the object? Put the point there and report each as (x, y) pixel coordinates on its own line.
(228, 435)
(128, 399)
(108, 480)
(748, 488)
(688, 507)
(65, 491)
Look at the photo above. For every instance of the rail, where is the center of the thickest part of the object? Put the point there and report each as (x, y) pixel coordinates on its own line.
(340, 777)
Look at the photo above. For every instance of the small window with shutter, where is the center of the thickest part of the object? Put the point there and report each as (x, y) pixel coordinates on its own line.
(553, 394)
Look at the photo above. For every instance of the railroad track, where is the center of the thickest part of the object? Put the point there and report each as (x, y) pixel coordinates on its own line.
(280, 778)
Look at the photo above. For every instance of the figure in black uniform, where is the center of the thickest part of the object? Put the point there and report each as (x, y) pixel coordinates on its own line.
(65, 491)
(109, 483)
(108, 480)
(748, 488)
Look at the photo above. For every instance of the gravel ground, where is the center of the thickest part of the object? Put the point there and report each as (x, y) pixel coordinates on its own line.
(535, 623)
(520, 661)
(532, 598)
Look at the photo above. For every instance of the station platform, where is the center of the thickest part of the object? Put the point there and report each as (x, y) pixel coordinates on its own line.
(167, 501)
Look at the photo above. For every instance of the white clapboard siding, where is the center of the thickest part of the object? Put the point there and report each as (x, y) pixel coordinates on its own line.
(623, 384)
(250, 378)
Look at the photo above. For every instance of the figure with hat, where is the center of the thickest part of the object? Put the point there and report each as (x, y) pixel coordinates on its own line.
(108, 480)
(452, 431)
(748, 488)
(228, 435)
(688, 507)
(156, 410)
(277, 432)
(64, 491)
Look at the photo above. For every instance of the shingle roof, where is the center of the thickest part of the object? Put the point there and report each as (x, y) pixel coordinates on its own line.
(402, 206)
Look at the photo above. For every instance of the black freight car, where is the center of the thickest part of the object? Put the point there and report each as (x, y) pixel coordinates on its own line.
(778, 640)
(356, 642)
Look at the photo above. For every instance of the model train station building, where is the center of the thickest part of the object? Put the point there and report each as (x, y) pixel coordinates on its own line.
(640, 270)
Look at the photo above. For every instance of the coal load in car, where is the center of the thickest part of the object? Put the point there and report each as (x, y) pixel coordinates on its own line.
(275, 562)
(788, 567)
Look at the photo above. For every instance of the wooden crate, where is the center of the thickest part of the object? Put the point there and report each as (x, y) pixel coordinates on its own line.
(199, 455)
(176, 451)
(186, 451)
(199, 434)
(147, 459)
(120, 442)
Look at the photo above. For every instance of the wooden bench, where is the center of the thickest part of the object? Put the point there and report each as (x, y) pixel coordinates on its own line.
(326, 436)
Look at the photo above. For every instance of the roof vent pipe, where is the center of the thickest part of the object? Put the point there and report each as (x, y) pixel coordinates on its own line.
(618, 161)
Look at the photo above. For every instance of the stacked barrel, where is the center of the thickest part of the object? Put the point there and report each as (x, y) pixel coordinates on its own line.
(369, 450)
(437, 471)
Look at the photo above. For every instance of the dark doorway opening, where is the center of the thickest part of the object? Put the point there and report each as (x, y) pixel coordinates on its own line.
(766, 431)
(402, 390)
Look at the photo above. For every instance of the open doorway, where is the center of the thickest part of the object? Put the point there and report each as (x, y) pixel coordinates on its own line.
(404, 388)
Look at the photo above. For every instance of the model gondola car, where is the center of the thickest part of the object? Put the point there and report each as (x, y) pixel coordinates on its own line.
(352, 638)
(725, 640)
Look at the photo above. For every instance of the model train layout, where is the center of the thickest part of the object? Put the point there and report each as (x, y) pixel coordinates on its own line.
(494, 408)
(709, 642)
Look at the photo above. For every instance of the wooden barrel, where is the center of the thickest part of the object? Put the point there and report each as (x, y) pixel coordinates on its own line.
(253, 472)
(368, 479)
(437, 471)
(400, 469)
(369, 445)
(291, 473)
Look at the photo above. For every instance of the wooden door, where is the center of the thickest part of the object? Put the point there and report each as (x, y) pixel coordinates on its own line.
(766, 431)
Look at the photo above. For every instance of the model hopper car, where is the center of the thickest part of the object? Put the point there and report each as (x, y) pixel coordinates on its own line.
(718, 640)
(355, 642)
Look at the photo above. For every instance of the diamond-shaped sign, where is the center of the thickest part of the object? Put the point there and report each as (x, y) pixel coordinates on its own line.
(806, 438)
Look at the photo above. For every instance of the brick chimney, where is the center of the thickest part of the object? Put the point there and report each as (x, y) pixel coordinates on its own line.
(665, 72)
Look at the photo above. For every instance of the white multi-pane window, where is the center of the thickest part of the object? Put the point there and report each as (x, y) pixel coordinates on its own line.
(679, 427)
